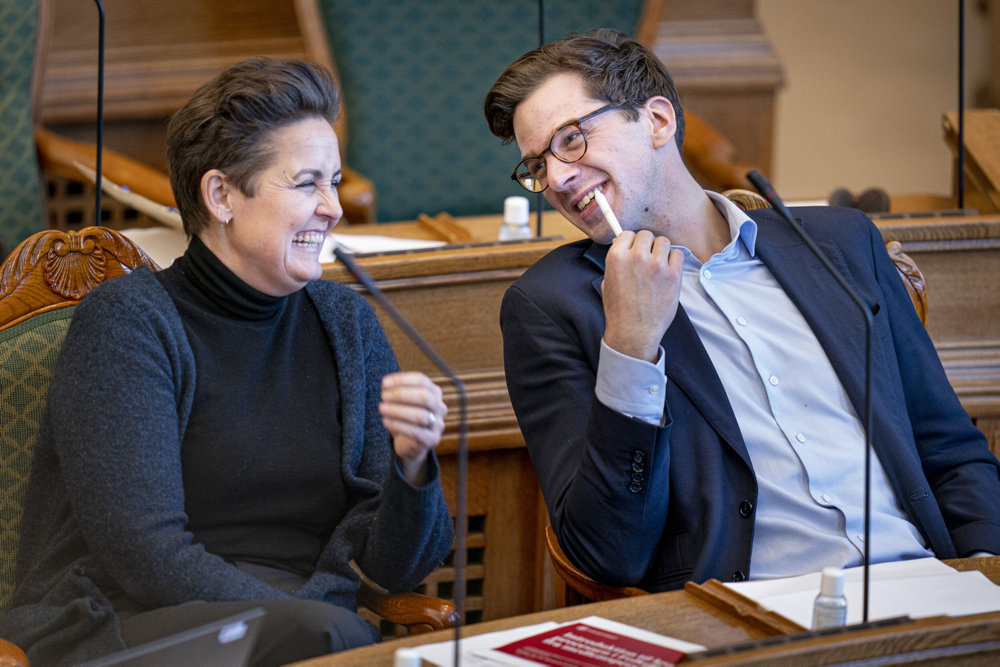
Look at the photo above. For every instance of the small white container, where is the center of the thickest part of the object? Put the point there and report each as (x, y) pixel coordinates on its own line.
(830, 608)
(515, 219)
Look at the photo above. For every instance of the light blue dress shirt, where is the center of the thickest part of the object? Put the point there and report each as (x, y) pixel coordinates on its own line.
(804, 438)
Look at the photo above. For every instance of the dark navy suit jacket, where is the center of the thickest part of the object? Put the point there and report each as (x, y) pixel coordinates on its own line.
(655, 506)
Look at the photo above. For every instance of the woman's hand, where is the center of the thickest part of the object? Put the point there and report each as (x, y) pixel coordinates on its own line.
(413, 412)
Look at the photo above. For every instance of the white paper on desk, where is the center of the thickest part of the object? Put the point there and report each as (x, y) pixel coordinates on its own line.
(915, 588)
(361, 243)
(165, 244)
(763, 588)
(443, 653)
(162, 244)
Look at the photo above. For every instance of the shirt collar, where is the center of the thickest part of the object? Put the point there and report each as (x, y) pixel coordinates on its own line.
(740, 224)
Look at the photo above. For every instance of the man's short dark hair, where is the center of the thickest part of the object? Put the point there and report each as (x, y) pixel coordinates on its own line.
(614, 68)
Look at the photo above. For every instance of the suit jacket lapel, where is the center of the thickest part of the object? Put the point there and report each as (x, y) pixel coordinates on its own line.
(831, 313)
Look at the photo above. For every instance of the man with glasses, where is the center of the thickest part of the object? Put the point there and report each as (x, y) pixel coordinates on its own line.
(691, 392)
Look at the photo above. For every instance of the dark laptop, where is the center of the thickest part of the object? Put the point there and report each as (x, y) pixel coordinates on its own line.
(226, 642)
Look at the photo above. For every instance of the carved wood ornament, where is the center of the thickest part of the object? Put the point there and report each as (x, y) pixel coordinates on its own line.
(53, 269)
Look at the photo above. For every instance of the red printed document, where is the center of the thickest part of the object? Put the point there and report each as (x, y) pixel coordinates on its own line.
(594, 641)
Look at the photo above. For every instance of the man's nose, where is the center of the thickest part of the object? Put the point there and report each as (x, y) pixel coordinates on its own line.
(559, 174)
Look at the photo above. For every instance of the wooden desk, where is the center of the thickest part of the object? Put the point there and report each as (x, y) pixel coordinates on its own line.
(960, 259)
(685, 616)
(452, 296)
(675, 613)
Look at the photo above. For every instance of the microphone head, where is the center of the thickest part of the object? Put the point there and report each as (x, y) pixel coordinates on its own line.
(874, 200)
(762, 185)
(841, 197)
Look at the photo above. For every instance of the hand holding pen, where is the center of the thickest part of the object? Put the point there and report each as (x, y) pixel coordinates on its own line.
(641, 288)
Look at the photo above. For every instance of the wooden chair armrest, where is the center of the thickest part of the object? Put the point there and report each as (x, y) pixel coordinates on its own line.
(11, 655)
(56, 155)
(580, 582)
(418, 613)
(357, 197)
(710, 155)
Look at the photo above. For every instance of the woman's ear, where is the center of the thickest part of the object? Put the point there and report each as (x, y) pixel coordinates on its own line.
(215, 192)
(662, 119)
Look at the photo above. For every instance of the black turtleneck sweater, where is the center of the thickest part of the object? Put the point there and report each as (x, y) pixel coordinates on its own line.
(261, 454)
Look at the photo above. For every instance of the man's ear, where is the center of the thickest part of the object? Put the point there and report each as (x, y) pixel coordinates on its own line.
(215, 191)
(662, 119)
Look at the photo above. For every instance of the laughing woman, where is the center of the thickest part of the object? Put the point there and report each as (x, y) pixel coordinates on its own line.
(247, 434)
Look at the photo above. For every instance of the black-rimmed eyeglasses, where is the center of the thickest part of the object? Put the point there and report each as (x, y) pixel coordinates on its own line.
(568, 144)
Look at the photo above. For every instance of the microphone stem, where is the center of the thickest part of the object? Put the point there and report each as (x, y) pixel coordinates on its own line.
(960, 171)
(767, 191)
(461, 519)
(100, 110)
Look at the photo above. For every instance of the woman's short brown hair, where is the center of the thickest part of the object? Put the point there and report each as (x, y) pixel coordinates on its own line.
(227, 123)
(614, 68)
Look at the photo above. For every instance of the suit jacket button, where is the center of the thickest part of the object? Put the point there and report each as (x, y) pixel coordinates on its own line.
(739, 576)
(746, 509)
(635, 487)
(638, 456)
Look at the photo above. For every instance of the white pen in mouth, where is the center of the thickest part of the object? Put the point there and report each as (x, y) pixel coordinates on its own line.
(609, 215)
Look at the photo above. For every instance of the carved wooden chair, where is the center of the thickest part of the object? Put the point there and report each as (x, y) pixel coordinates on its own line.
(41, 282)
(574, 586)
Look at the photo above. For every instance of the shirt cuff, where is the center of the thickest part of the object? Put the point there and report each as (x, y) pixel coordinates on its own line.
(630, 386)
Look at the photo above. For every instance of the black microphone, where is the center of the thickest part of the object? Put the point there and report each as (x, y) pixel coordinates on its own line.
(461, 511)
(960, 169)
(767, 192)
(540, 198)
(100, 110)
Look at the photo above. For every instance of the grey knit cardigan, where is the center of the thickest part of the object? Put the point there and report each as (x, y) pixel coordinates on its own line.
(105, 501)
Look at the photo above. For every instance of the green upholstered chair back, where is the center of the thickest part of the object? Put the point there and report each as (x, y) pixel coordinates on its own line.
(40, 284)
(21, 200)
(414, 75)
(28, 353)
